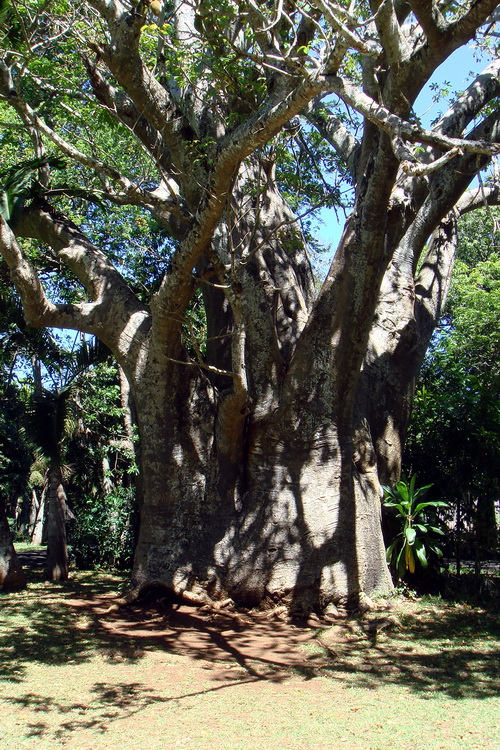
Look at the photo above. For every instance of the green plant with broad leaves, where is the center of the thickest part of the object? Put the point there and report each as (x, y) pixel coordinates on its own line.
(420, 530)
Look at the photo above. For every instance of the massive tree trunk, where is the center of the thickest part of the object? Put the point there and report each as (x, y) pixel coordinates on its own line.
(293, 518)
(251, 485)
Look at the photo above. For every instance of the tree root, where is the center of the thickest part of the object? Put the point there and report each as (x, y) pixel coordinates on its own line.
(157, 592)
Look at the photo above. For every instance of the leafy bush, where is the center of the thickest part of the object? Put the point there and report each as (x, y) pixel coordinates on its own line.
(419, 526)
(104, 533)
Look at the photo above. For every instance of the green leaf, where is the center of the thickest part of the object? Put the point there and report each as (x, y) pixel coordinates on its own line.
(410, 535)
(421, 491)
(402, 488)
(396, 506)
(391, 549)
(411, 489)
(436, 530)
(434, 548)
(400, 562)
(421, 527)
(430, 504)
(420, 552)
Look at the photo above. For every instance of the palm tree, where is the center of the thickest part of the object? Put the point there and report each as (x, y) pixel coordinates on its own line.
(49, 425)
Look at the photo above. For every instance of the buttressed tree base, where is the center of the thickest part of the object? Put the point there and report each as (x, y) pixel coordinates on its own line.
(266, 429)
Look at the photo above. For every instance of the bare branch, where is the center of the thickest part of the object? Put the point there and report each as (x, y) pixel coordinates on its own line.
(443, 37)
(38, 309)
(148, 95)
(333, 130)
(136, 195)
(395, 45)
(397, 127)
(333, 14)
(419, 170)
(445, 188)
(35, 302)
(484, 88)
(479, 197)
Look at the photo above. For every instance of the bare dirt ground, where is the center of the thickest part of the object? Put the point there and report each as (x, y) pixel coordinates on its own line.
(78, 672)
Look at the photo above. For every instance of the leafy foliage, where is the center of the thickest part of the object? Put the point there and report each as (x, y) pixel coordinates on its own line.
(420, 527)
(15, 457)
(454, 435)
(105, 532)
(102, 491)
(18, 183)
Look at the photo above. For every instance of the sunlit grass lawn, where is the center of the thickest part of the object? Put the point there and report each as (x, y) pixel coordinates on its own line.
(425, 676)
(28, 547)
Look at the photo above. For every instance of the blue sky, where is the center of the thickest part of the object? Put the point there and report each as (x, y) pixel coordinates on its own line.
(455, 71)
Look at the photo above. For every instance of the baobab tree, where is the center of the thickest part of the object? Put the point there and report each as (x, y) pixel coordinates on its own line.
(262, 446)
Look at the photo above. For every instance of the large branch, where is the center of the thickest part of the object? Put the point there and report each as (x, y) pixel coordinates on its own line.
(431, 20)
(450, 36)
(433, 282)
(479, 197)
(467, 106)
(112, 311)
(446, 186)
(398, 128)
(38, 310)
(136, 194)
(177, 287)
(405, 82)
(122, 108)
(150, 98)
(393, 41)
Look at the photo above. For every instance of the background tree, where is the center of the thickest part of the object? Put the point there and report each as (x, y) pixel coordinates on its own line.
(103, 487)
(21, 348)
(262, 450)
(454, 433)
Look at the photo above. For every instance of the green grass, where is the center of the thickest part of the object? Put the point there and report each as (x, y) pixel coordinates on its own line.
(74, 674)
(28, 547)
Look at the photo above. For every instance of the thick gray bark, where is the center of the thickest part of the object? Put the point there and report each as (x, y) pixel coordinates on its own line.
(408, 311)
(270, 503)
(293, 519)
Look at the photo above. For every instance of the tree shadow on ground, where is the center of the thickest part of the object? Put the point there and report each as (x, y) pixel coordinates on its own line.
(448, 649)
(452, 650)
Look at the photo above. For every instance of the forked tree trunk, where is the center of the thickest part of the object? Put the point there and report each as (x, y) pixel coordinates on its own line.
(253, 486)
(12, 576)
(57, 552)
(408, 310)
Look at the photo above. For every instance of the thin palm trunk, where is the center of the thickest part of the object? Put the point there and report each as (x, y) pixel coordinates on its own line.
(57, 551)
